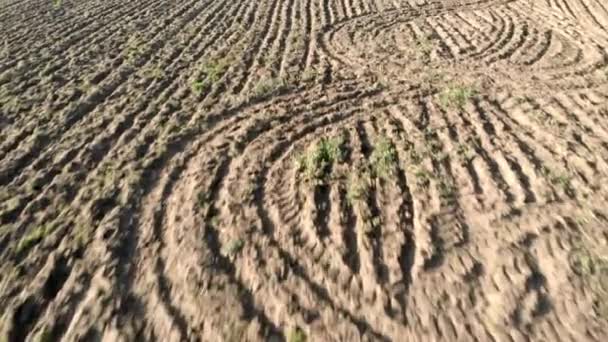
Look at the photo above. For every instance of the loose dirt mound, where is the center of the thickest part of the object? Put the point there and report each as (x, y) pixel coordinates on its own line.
(304, 170)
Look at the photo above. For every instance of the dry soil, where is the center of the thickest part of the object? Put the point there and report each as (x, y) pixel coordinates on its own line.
(320, 170)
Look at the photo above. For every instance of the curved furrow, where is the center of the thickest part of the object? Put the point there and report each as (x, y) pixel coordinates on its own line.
(579, 117)
(336, 10)
(486, 166)
(534, 36)
(143, 143)
(279, 46)
(515, 43)
(328, 13)
(553, 120)
(226, 205)
(513, 179)
(442, 220)
(397, 207)
(586, 58)
(577, 135)
(351, 8)
(20, 137)
(474, 32)
(450, 40)
(261, 38)
(169, 241)
(368, 221)
(121, 243)
(151, 283)
(44, 13)
(74, 43)
(343, 10)
(434, 173)
(60, 95)
(563, 7)
(479, 28)
(563, 51)
(99, 147)
(538, 50)
(497, 28)
(71, 30)
(296, 169)
(292, 40)
(464, 43)
(506, 44)
(587, 99)
(449, 230)
(552, 166)
(309, 24)
(70, 49)
(76, 111)
(512, 128)
(270, 228)
(166, 317)
(591, 10)
(6, 5)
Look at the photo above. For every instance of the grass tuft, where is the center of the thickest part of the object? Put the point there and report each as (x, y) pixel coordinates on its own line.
(593, 270)
(456, 96)
(383, 158)
(423, 178)
(215, 70)
(199, 87)
(317, 161)
(34, 237)
(296, 335)
(557, 179)
(234, 247)
(212, 72)
(203, 199)
(269, 86)
(44, 336)
(359, 186)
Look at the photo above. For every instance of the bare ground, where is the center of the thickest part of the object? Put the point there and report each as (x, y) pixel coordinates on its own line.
(318, 170)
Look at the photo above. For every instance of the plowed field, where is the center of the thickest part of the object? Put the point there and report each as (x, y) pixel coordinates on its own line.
(291, 170)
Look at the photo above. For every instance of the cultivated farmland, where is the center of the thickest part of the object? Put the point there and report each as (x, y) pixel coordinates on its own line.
(304, 170)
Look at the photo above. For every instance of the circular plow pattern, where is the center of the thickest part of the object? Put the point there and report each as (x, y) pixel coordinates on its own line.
(291, 170)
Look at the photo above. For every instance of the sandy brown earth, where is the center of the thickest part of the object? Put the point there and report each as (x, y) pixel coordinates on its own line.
(320, 170)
